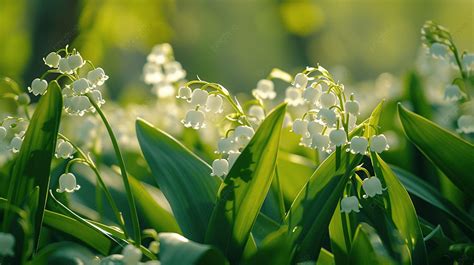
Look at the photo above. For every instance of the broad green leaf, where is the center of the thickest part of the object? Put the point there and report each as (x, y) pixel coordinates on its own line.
(311, 212)
(85, 233)
(275, 249)
(367, 248)
(427, 193)
(451, 154)
(157, 217)
(313, 208)
(32, 165)
(325, 258)
(178, 250)
(401, 210)
(244, 189)
(263, 227)
(63, 253)
(183, 178)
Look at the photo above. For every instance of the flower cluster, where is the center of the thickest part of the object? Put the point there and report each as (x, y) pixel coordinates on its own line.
(440, 44)
(162, 71)
(12, 132)
(330, 116)
(83, 85)
(372, 187)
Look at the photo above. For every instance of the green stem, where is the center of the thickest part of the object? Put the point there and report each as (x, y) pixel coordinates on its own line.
(92, 166)
(123, 170)
(463, 73)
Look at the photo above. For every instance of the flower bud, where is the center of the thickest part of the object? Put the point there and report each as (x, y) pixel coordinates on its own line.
(75, 61)
(327, 100)
(38, 87)
(220, 167)
(15, 144)
(97, 77)
(67, 183)
(64, 149)
(301, 80)
(352, 107)
(350, 204)
(257, 112)
(184, 92)
(52, 60)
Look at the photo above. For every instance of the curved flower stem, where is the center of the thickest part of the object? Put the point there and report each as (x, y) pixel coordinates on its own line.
(123, 170)
(91, 165)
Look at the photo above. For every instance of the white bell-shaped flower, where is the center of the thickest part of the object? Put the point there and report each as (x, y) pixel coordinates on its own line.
(359, 145)
(327, 117)
(226, 146)
(214, 104)
(378, 143)
(97, 77)
(67, 183)
(338, 137)
(164, 90)
(38, 87)
(320, 141)
(63, 66)
(77, 105)
(153, 73)
(300, 81)
(15, 144)
(199, 97)
(184, 92)
(453, 93)
(3, 133)
(64, 149)
(466, 124)
(174, 71)
(160, 53)
(220, 167)
(315, 127)
(350, 204)
(372, 186)
(194, 119)
(7, 243)
(265, 90)
(52, 60)
(327, 100)
(257, 112)
(439, 51)
(131, 255)
(81, 86)
(468, 61)
(352, 107)
(75, 61)
(293, 96)
(311, 95)
(300, 127)
(242, 135)
(232, 158)
(96, 96)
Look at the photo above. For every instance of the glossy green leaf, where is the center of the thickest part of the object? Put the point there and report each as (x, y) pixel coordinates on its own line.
(313, 208)
(85, 233)
(263, 227)
(63, 253)
(367, 248)
(451, 154)
(275, 249)
(157, 217)
(401, 210)
(427, 193)
(244, 189)
(178, 250)
(183, 178)
(32, 165)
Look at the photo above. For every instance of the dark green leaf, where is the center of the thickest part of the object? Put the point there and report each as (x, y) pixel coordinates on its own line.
(367, 248)
(426, 192)
(177, 250)
(451, 154)
(401, 210)
(32, 166)
(244, 189)
(183, 178)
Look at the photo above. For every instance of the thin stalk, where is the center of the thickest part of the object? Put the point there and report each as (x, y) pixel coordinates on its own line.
(123, 170)
(92, 166)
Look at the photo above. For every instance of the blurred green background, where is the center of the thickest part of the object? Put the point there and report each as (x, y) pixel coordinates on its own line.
(232, 42)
